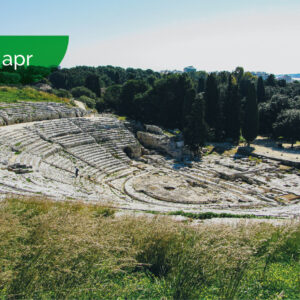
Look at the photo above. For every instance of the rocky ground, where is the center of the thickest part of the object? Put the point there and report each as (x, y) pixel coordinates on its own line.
(39, 158)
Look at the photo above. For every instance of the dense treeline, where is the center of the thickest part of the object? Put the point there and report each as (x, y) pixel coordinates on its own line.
(218, 106)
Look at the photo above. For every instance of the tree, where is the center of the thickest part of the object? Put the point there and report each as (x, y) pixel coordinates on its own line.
(187, 93)
(202, 75)
(261, 94)
(112, 97)
(271, 81)
(62, 93)
(238, 73)
(232, 111)
(250, 124)
(129, 90)
(58, 80)
(9, 78)
(195, 131)
(287, 125)
(91, 103)
(82, 91)
(212, 105)
(92, 82)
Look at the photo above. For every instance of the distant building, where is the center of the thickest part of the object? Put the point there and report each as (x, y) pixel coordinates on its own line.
(171, 72)
(264, 75)
(287, 78)
(189, 69)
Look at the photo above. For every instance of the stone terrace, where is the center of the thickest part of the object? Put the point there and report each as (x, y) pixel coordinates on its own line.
(40, 158)
(22, 112)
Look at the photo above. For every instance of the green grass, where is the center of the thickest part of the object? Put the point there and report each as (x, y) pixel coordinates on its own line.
(58, 250)
(211, 215)
(14, 95)
(255, 159)
(168, 133)
(122, 118)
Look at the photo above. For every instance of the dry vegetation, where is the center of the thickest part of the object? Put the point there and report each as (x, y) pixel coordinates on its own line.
(73, 250)
(14, 94)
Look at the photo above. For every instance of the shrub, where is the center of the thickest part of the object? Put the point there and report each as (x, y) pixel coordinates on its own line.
(100, 105)
(10, 78)
(91, 103)
(62, 93)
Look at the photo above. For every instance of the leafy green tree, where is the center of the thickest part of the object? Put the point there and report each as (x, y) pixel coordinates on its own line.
(281, 82)
(250, 124)
(238, 73)
(129, 90)
(112, 97)
(10, 78)
(287, 125)
(168, 102)
(271, 80)
(195, 131)
(58, 80)
(269, 111)
(173, 96)
(92, 82)
(261, 94)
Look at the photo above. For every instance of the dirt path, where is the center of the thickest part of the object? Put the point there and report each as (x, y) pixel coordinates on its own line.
(269, 148)
(80, 104)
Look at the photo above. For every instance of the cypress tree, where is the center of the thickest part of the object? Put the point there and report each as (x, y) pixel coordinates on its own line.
(195, 131)
(201, 85)
(250, 124)
(261, 95)
(212, 105)
(92, 82)
(232, 111)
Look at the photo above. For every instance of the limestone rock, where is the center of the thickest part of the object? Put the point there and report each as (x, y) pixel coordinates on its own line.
(161, 143)
(19, 168)
(22, 112)
(154, 129)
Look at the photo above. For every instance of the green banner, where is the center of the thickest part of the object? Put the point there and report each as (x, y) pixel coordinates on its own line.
(32, 50)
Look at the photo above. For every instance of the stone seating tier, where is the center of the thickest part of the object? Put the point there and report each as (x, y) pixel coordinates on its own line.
(73, 140)
(55, 128)
(21, 112)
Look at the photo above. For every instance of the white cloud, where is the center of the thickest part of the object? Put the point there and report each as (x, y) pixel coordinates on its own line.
(268, 42)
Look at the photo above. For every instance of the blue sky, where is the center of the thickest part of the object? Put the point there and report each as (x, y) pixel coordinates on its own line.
(166, 34)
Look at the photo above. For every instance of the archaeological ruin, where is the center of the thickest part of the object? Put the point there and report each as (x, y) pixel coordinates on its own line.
(132, 167)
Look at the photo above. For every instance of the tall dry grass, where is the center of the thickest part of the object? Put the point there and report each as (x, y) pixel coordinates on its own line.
(58, 250)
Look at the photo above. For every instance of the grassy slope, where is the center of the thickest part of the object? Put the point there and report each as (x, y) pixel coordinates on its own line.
(58, 250)
(13, 95)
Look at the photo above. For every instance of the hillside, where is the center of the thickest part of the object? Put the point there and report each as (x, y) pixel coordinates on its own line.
(28, 94)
